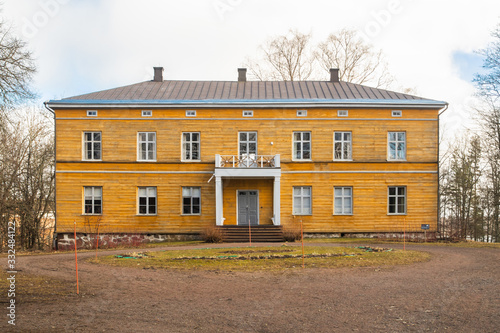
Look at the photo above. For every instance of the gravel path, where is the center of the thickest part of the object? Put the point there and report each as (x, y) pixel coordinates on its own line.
(458, 290)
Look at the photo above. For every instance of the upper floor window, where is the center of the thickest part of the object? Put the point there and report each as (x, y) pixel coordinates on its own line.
(397, 146)
(146, 142)
(190, 113)
(92, 146)
(302, 145)
(343, 200)
(397, 113)
(342, 113)
(147, 113)
(147, 200)
(191, 146)
(191, 200)
(342, 146)
(247, 113)
(397, 200)
(92, 200)
(302, 200)
(301, 113)
(91, 113)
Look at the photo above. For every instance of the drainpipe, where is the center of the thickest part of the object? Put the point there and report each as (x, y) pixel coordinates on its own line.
(439, 168)
(54, 240)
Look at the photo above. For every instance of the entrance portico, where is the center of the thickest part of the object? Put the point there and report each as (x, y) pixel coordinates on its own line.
(235, 167)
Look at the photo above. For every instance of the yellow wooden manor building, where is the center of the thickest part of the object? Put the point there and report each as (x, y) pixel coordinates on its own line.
(166, 158)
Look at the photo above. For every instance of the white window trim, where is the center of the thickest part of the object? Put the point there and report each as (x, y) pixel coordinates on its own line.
(182, 201)
(147, 200)
(342, 113)
(396, 196)
(343, 197)
(90, 113)
(397, 113)
(84, 147)
(146, 113)
(93, 199)
(248, 141)
(139, 147)
(183, 159)
(389, 147)
(302, 196)
(294, 158)
(301, 113)
(247, 113)
(190, 113)
(342, 141)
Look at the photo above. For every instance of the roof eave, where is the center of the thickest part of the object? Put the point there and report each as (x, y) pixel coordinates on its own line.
(306, 103)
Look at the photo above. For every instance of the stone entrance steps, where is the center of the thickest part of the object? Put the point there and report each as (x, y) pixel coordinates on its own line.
(260, 233)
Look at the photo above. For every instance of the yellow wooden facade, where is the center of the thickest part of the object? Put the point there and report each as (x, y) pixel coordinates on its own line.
(369, 173)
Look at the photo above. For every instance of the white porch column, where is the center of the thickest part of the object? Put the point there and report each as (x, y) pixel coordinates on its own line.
(218, 201)
(277, 200)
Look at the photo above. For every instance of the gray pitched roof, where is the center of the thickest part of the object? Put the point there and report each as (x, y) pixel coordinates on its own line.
(249, 93)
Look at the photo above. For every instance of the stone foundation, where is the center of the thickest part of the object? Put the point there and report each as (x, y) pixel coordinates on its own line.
(409, 236)
(106, 241)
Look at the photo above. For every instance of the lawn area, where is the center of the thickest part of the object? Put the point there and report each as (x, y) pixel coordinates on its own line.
(468, 244)
(264, 258)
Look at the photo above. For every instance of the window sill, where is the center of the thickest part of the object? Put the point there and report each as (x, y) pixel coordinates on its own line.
(343, 215)
(187, 161)
(304, 160)
(388, 160)
(302, 214)
(91, 160)
(91, 214)
(343, 160)
(191, 214)
(151, 161)
(146, 215)
(397, 214)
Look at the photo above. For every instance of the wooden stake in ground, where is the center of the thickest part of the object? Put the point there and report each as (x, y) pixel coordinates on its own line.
(97, 242)
(249, 228)
(76, 264)
(302, 237)
(404, 233)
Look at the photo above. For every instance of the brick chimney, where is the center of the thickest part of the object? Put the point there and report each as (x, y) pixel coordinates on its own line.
(158, 74)
(334, 75)
(242, 74)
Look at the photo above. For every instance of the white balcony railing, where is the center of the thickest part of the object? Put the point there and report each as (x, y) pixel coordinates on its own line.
(247, 161)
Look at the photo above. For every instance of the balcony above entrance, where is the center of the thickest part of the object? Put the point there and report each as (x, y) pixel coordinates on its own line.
(248, 165)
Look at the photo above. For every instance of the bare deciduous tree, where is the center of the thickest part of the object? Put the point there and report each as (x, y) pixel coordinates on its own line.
(357, 61)
(285, 58)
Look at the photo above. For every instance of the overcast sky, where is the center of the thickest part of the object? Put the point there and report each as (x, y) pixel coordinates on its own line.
(83, 46)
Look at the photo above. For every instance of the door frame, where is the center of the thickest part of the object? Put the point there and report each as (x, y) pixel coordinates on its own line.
(238, 205)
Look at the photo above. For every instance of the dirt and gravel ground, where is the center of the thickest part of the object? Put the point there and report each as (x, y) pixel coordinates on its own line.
(458, 290)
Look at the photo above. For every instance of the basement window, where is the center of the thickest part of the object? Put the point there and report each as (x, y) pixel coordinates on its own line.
(91, 113)
(190, 113)
(397, 113)
(301, 113)
(247, 113)
(342, 113)
(147, 113)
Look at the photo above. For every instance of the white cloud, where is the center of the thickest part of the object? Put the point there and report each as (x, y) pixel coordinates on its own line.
(91, 45)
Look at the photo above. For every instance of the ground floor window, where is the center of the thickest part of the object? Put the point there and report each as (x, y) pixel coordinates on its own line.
(397, 200)
(343, 200)
(147, 200)
(302, 200)
(92, 200)
(191, 200)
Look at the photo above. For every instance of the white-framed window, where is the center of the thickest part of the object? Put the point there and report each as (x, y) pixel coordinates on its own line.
(146, 142)
(396, 201)
(92, 204)
(146, 200)
(301, 113)
(396, 146)
(190, 113)
(247, 113)
(342, 146)
(342, 113)
(147, 113)
(92, 146)
(91, 113)
(301, 145)
(191, 146)
(302, 200)
(191, 200)
(343, 200)
(397, 113)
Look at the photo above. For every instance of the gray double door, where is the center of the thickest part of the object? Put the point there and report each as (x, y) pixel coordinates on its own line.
(248, 207)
